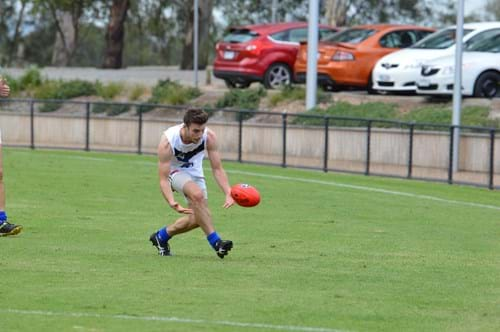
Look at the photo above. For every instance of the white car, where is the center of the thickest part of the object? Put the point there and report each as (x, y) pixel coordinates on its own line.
(399, 71)
(480, 69)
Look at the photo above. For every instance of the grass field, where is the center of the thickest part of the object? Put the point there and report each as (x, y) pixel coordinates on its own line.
(321, 253)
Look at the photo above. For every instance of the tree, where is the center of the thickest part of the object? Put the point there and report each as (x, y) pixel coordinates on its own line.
(336, 12)
(493, 9)
(204, 23)
(115, 34)
(12, 15)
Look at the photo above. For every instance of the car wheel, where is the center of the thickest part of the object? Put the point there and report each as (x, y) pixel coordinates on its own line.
(236, 85)
(277, 75)
(487, 85)
(369, 87)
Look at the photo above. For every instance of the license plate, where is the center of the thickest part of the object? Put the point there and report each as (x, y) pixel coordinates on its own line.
(423, 83)
(229, 55)
(384, 78)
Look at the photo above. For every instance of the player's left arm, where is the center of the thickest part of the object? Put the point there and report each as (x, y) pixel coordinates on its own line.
(217, 169)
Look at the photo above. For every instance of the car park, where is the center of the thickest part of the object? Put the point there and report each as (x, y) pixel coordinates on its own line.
(480, 69)
(261, 53)
(399, 71)
(346, 59)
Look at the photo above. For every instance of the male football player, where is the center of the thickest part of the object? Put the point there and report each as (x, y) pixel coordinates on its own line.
(6, 228)
(180, 153)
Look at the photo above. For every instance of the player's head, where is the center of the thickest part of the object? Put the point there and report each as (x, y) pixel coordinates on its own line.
(195, 115)
(195, 122)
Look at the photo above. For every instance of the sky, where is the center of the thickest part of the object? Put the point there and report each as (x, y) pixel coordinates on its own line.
(474, 5)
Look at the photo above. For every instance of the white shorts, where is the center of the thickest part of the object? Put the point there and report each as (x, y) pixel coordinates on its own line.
(179, 178)
(0, 138)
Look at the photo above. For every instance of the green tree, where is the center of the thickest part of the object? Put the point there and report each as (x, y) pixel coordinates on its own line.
(493, 9)
(205, 21)
(66, 16)
(115, 34)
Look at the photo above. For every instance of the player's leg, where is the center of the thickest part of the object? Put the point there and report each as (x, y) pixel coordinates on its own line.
(196, 193)
(6, 228)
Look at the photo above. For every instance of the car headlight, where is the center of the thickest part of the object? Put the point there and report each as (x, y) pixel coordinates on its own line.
(413, 66)
(448, 70)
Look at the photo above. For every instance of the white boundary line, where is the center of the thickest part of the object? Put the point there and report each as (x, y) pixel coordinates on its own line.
(328, 183)
(356, 187)
(170, 319)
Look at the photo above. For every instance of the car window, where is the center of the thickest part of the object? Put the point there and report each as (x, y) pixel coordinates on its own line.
(439, 40)
(239, 36)
(399, 39)
(281, 36)
(486, 41)
(297, 35)
(326, 33)
(422, 34)
(353, 36)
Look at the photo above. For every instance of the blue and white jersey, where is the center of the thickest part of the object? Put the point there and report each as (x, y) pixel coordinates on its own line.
(187, 157)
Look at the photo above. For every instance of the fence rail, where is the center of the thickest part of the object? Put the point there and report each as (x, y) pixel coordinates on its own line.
(328, 143)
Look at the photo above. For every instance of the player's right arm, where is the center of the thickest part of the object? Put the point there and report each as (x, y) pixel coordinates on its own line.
(164, 156)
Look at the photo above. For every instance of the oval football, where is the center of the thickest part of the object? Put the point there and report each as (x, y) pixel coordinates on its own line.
(245, 195)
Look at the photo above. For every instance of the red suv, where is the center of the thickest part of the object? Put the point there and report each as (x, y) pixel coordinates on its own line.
(261, 53)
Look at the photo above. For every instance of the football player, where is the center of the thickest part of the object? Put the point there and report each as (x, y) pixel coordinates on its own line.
(180, 153)
(6, 228)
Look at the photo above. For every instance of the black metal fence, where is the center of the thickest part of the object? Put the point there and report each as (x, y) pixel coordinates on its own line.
(287, 122)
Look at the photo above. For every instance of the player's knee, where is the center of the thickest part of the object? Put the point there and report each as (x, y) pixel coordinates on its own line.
(197, 197)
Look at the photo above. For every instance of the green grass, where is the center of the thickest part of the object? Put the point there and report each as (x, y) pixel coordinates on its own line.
(437, 115)
(320, 251)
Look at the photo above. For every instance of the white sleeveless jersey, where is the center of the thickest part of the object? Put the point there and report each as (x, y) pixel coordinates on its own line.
(187, 157)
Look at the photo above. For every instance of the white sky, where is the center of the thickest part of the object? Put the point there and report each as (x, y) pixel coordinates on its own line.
(474, 5)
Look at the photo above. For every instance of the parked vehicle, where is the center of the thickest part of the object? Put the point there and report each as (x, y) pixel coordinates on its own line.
(480, 69)
(399, 71)
(346, 59)
(261, 53)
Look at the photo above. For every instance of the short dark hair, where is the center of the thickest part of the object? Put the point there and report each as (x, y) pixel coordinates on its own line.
(195, 115)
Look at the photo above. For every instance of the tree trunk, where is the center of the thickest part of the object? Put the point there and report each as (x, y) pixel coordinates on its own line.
(336, 12)
(14, 47)
(205, 23)
(206, 20)
(65, 39)
(115, 34)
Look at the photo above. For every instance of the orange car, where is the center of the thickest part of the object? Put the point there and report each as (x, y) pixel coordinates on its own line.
(347, 58)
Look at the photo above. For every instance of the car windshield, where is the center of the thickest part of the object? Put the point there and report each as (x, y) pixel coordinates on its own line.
(352, 36)
(439, 40)
(239, 36)
(487, 41)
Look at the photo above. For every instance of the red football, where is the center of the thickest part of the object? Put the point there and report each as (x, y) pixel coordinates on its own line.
(245, 195)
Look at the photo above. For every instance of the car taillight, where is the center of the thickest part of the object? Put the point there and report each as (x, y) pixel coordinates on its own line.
(343, 56)
(254, 48)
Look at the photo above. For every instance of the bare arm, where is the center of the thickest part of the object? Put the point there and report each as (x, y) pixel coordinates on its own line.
(4, 88)
(164, 157)
(217, 169)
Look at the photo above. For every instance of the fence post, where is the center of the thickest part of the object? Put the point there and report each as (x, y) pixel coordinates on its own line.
(325, 156)
(491, 183)
(87, 127)
(410, 151)
(368, 146)
(139, 135)
(32, 124)
(450, 162)
(284, 117)
(240, 135)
